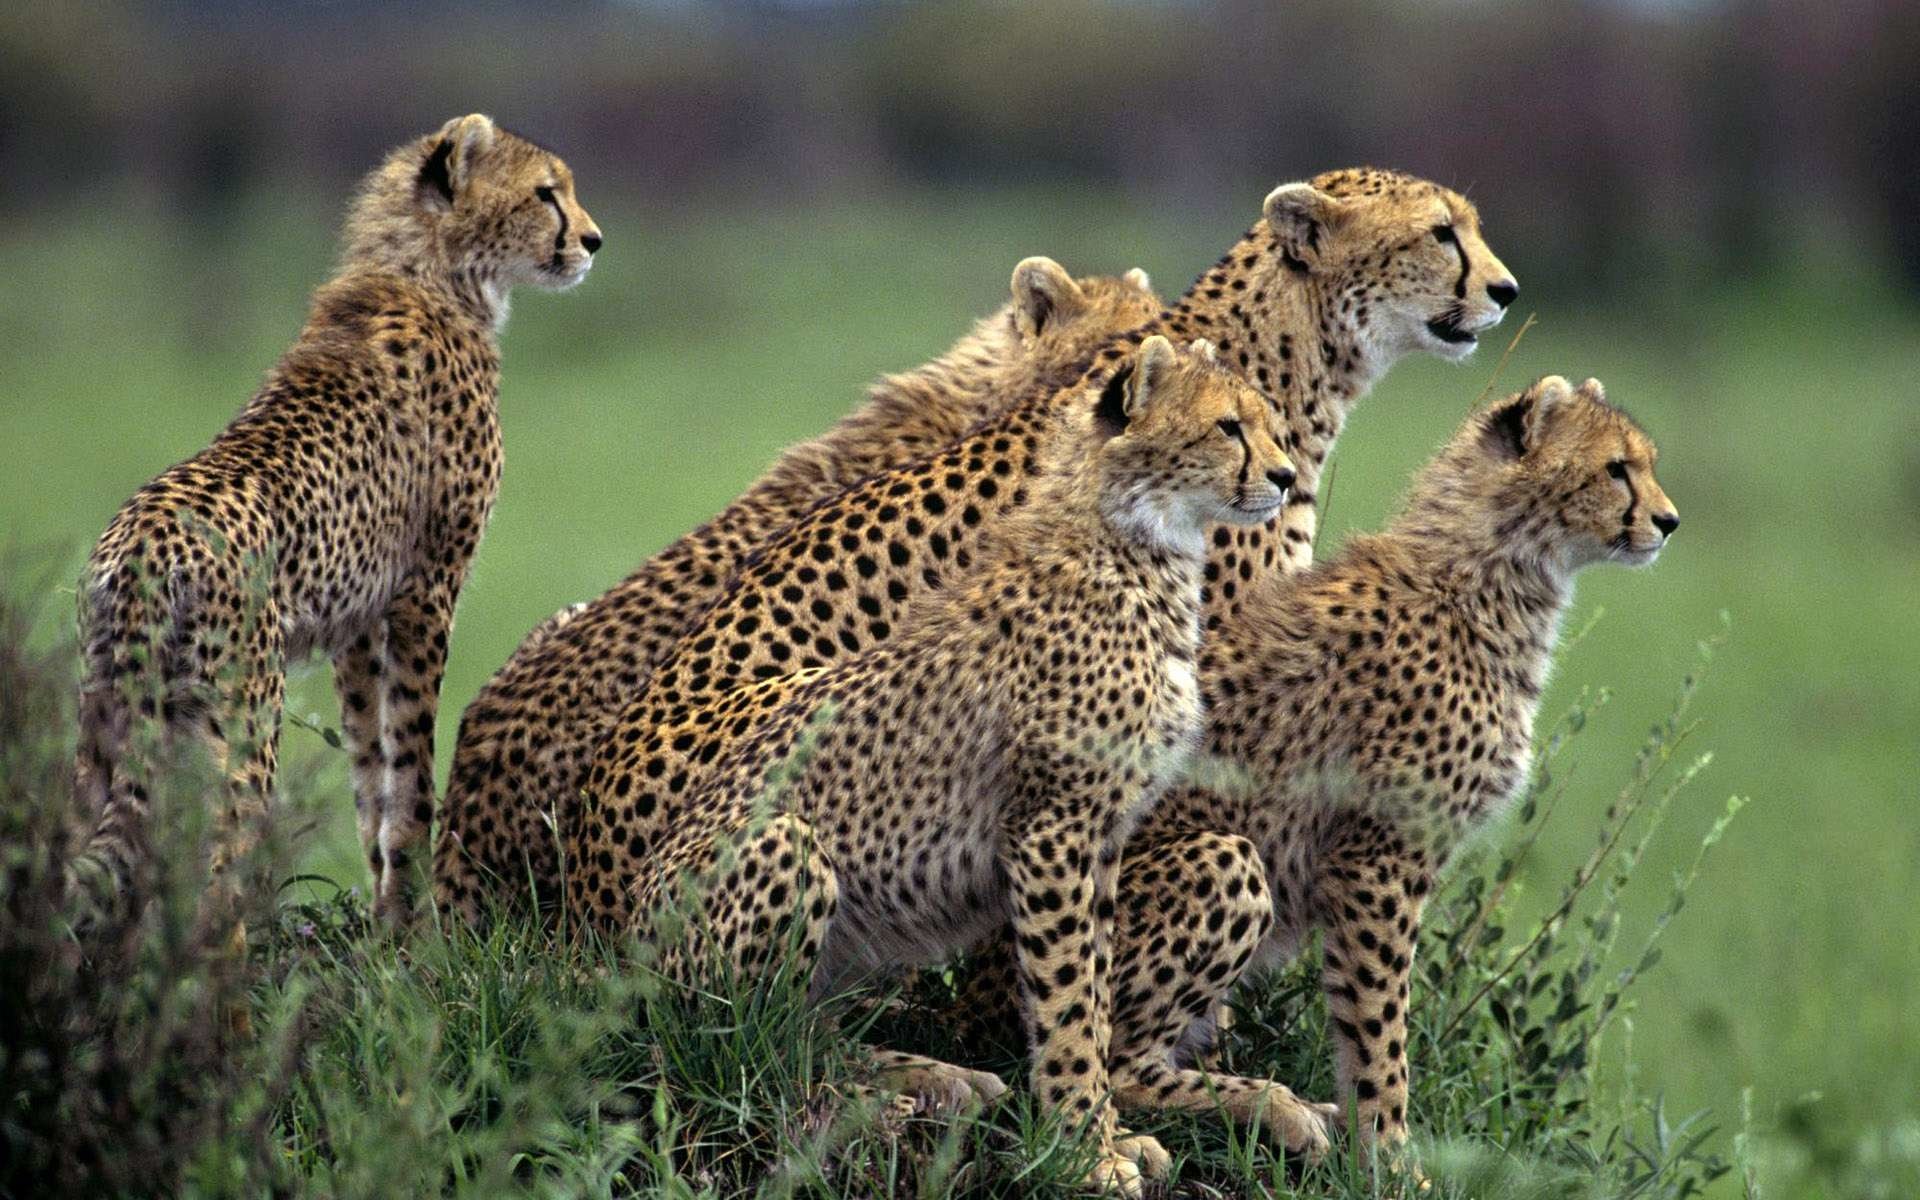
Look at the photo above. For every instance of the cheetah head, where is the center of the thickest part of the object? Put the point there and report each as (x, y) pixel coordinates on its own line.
(476, 202)
(1570, 477)
(1401, 260)
(1190, 444)
(505, 206)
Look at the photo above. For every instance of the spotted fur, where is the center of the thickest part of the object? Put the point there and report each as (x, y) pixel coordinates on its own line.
(338, 512)
(1365, 715)
(987, 764)
(844, 577)
(526, 740)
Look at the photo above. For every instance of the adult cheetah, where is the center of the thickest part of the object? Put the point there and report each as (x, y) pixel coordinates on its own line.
(1370, 712)
(987, 764)
(338, 512)
(528, 737)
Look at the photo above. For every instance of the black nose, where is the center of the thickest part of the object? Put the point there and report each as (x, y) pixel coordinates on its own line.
(1282, 478)
(1503, 293)
(1666, 523)
(591, 241)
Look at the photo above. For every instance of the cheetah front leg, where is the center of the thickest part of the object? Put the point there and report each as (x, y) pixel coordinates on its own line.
(1063, 881)
(1370, 902)
(412, 661)
(1193, 908)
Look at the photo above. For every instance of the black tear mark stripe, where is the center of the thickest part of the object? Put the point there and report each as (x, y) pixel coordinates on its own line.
(1466, 268)
(1633, 501)
(1246, 457)
(559, 239)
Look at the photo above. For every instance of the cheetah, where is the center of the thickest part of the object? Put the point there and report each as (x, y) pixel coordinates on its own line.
(986, 765)
(1366, 715)
(1309, 333)
(338, 512)
(527, 738)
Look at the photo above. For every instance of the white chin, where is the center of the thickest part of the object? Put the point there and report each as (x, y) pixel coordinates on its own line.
(1233, 514)
(1453, 351)
(560, 281)
(1637, 558)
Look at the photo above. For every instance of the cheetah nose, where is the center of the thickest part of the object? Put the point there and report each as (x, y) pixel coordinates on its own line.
(591, 241)
(1504, 293)
(1666, 523)
(1281, 478)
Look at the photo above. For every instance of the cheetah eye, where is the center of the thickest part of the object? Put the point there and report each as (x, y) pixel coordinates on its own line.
(544, 194)
(1617, 469)
(1444, 234)
(1229, 426)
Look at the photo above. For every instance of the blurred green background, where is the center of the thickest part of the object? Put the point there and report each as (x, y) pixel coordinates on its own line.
(1710, 206)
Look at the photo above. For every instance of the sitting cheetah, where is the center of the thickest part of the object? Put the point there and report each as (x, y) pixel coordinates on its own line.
(988, 763)
(526, 740)
(1310, 336)
(1371, 711)
(337, 512)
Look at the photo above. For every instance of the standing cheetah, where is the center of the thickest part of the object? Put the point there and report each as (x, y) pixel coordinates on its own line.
(527, 738)
(987, 764)
(1370, 712)
(1309, 336)
(338, 512)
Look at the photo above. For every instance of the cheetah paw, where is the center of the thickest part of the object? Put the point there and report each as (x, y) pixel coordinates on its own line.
(1396, 1156)
(939, 1087)
(1115, 1175)
(1144, 1152)
(1303, 1127)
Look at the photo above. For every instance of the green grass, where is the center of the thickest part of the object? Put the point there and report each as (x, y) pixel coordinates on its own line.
(640, 404)
(516, 1062)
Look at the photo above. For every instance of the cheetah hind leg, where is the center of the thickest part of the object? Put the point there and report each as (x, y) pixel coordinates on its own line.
(761, 901)
(1193, 908)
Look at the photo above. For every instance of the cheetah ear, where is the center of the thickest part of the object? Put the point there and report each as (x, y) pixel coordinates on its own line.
(449, 168)
(1150, 368)
(1139, 278)
(1299, 213)
(1516, 427)
(1043, 293)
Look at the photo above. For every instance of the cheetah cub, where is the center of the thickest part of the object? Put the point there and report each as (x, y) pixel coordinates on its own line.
(988, 763)
(338, 512)
(1370, 712)
(527, 740)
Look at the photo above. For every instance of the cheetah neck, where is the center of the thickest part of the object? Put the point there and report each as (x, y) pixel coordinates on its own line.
(1291, 333)
(1111, 545)
(400, 246)
(476, 294)
(1140, 513)
(1508, 609)
(1512, 601)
